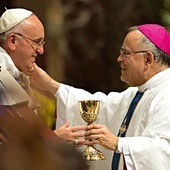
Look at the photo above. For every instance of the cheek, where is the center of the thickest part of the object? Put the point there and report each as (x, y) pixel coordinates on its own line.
(27, 63)
(132, 73)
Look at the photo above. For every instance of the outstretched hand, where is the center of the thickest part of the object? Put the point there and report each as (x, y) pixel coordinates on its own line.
(41, 80)
(71, 134)
(100, 134)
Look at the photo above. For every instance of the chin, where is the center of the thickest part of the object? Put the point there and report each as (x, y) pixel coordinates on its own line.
(124, 80)
(28, 73)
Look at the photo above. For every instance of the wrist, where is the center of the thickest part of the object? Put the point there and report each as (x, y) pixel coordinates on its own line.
(53, 86)
(116, 144)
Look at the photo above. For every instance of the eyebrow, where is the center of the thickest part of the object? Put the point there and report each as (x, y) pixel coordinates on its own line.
(123, 48)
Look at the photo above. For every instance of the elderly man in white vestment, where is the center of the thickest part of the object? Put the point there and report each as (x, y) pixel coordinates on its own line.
(145, 60)
(21, 41)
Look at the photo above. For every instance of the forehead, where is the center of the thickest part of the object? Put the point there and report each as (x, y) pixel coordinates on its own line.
(132, 40)
(35, 27)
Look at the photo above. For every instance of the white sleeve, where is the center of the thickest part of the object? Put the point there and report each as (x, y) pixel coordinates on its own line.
(61, 96)
(124, 149)
(64, 93)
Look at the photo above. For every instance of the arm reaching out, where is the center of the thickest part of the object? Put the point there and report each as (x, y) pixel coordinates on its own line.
(41, 80)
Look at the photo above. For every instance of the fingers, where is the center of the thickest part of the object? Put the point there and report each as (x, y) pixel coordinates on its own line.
(77, 135)
(79, 142)
(92, 134)
(76, 142)
(65, 125)
(77, 132)
(95, 133)
(35, 65)
(94, 126)
(71, 134)
(91, 142)
(94, 130)
(77, 128)
(80, 135)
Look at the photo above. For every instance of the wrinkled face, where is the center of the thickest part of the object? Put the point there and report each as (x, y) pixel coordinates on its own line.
(29, 43)
(132, 59)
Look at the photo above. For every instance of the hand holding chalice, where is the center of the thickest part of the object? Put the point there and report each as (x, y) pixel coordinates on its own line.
(89, 111)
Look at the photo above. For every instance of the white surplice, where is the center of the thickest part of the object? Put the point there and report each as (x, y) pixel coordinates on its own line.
(11, 90)
(147, 142)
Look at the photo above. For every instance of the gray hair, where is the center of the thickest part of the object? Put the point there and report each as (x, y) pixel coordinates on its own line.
(18, 28)
(147, 45)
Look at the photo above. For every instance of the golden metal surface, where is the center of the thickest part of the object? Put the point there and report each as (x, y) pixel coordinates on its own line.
(89, 112)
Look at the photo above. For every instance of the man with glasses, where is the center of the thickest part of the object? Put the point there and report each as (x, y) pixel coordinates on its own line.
(34, 43)
(132, 126)
(21, 41)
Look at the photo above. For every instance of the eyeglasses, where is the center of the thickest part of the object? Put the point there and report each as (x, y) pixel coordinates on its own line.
(124, 52)
(34, 44)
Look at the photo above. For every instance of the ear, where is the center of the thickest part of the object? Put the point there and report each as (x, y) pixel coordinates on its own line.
(11, 41)
(149, 58)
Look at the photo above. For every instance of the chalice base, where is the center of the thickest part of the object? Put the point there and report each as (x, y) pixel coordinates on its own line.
(92, 154)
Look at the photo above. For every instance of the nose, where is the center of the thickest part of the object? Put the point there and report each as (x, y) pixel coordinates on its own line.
(40, 49)
(120, 58)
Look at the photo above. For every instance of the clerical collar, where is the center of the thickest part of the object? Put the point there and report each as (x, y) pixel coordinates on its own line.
(155, 80)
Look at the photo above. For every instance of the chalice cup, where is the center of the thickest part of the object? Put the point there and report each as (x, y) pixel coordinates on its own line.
(89, 111)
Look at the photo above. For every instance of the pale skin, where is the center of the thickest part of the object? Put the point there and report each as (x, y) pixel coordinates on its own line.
(69, 134)
(45, 82)
(100, 134)
(133, 66)
(23, 52)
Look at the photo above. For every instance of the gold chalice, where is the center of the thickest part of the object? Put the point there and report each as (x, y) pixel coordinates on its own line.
(89, 111)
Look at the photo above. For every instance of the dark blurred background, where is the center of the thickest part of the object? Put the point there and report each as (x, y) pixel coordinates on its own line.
(83, 37)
